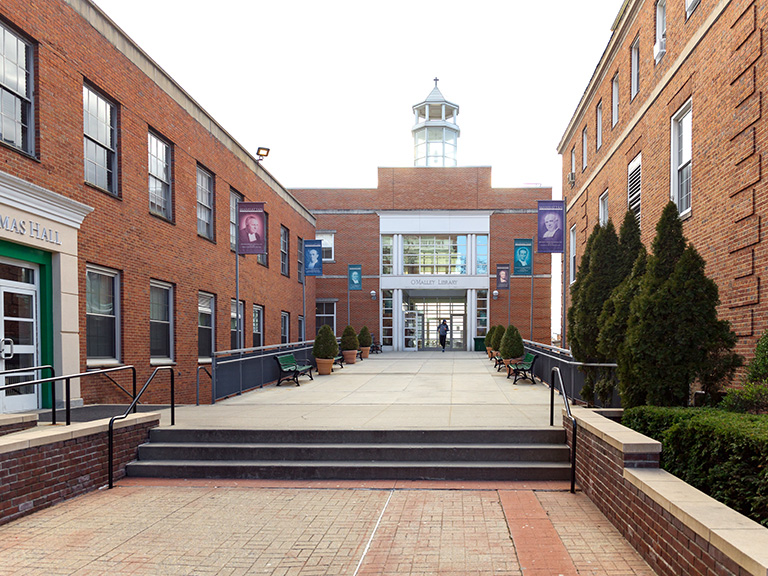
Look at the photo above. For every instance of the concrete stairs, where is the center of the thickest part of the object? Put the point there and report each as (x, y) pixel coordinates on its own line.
(517, 454)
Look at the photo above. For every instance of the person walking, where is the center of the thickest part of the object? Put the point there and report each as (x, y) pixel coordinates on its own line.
(442, 332)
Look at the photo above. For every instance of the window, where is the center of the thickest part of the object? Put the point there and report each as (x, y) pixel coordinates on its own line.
(234, 198)
(387, 255)
(634, 68)
(583, 149)
(572, 255)
(16, 91)
(482, 313)
(482, 254)
(285, 327)
(301, 329)
(258, 326)
(285, 239)
(159, 176)
(204, 203)
(599, 125)
(681, 158)
(436, 254)
(690, 6)
(603, 208)
(387, 318)
(205, 340)
(234, 322)
(99, 141)
(161, 320)
(573, 160)
(325, 314)
(102, 311)
(615, 100)
(300, 260)
(634, 182)
(327, 238)
(263, 259)
(660, 47)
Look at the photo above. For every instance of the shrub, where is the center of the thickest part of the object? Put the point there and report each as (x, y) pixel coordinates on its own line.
(751, 398)
(758, 368)
(489, 337)
(349, 339)
(511, 343)
(498, 334)
(364, 337)
(325, 343)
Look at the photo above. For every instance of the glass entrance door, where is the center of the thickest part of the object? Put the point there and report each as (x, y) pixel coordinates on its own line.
(435, 309)
(412, 330)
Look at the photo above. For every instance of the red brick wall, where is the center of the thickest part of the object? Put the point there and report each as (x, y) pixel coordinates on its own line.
(121, 234)
(16, 427)
(35, 478)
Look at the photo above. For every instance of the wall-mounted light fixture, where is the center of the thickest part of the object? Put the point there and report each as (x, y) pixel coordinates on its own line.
(373, 295)
(261, 153)
(495, 294)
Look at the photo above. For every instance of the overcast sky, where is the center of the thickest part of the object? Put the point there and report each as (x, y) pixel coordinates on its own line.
(329, 86)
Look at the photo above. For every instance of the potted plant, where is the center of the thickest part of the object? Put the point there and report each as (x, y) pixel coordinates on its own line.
(498, 334)
(489, 340)
(511, 346)
(325, 350)
(365, 341)
(349, 345)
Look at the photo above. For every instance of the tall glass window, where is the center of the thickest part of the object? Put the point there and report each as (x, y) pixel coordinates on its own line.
(160, 320)
(387, 318)
(205, 324)
(159, 176)
(263, 259)
(15, 91)
(204, 203)
(325, 314)
(301, 328)
(234, 198)
(615, 99)
(285, 240)
(482, 254)
(634, 68)
(258, 326)
(599, 125)
(327, 239)
(99, 141)
(387, 255)
(101, 313)
(300, 260)
(234, 341)
(435, 254)
(681, 158)
(285, 327)
(482, 312)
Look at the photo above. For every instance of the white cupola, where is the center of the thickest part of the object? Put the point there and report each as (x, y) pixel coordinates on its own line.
(435, 133)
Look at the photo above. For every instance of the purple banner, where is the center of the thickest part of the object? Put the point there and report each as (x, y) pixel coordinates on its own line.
(551, 222)
(502, 276)
(251, 233)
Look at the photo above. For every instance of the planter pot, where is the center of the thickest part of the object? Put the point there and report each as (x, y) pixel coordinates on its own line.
(324, 366)
(364, 351)
(349, 356)
(507, 361)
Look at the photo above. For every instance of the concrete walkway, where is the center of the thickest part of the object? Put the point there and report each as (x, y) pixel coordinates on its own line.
(310, 528)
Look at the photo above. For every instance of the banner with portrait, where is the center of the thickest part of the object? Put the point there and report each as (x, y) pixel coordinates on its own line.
(551, 237)
(355, 277)
(502, 276)
(313, 257)
(523, 257)
(251, 231)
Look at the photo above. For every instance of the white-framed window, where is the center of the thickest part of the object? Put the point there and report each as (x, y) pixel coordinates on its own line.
(634, 185)
(285, 248)
(161, 320)
(584, 149)
(481, 254)
(572, 256)
(660, 47)
(263, 259)
(690, 6)
(206, 343)
(159, 176)
(439, 254)
(236, 343)
(615, 100)
(204, 203)
(599, 125)
(387, 254)
(102, 313)
(325, 313)
(99, 141)
(603, 208)
(573, 159)
(234, 198)
(301, 329)
(285, 327)
(16, 91)
(300, 259)
(327, 238)
(682, 128)
(387, 318)
(634, 67)
(482, 313)
(258, 326)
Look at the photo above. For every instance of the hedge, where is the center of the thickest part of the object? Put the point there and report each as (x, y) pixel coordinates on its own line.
(721, 453)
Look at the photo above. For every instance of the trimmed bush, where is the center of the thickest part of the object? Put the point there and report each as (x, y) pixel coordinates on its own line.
(364, 337)
(511, 344)
(498, 334)
(751, 398)
(349, 339)
(489, 337)
(325, 345)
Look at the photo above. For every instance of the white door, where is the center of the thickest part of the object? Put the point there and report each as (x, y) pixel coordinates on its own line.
(18, 339)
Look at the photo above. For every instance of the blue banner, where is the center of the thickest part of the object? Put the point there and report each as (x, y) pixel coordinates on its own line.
(523, 257)
(313, 257)
(355, 277)
(551, 222)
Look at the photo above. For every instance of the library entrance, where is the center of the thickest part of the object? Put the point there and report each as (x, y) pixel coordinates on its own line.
(425, 313)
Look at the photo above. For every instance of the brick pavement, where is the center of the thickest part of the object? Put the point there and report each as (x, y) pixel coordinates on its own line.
(279, 528)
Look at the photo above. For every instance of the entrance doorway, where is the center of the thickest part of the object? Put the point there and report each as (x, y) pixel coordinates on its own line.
(432, 310)
(19, 333)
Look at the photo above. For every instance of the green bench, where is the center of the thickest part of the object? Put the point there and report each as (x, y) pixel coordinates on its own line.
(523, 369)
(290, 369)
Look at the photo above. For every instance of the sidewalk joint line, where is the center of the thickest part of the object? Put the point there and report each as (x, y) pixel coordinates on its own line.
(375, 528)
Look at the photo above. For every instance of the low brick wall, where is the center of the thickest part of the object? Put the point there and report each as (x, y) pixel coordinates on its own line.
(10, 423)
(676, 528)
(48, 464)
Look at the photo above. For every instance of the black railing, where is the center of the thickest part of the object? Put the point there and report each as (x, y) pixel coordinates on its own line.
(111, 443)
(27, 383)
(556, 372)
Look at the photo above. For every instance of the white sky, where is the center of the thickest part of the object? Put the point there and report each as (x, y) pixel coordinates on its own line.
(329, 86)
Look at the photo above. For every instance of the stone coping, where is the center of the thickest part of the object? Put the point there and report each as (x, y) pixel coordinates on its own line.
(614, 434)
(741, 539)
(50, 434)
(13, 419)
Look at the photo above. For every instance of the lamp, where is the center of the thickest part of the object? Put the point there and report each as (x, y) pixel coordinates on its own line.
(495, 294)
(373, 295)
(262, 153)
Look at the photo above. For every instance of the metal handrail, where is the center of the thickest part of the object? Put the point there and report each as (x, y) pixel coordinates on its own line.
(197, 396)
(111, 443)
(67, 382)
(556, 372)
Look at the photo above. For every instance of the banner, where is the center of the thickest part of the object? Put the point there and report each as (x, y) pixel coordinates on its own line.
(523, 257)
(313, 257)
(502, 276)
(551, 222)
(355, 277)
(251, 232)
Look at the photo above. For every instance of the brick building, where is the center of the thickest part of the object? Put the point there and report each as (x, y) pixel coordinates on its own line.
(674, 111)
(117, 195)
(428, 239)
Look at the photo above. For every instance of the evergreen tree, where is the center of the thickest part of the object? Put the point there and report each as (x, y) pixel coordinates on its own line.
(630, 245)
(758, 368)
(511, 344)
